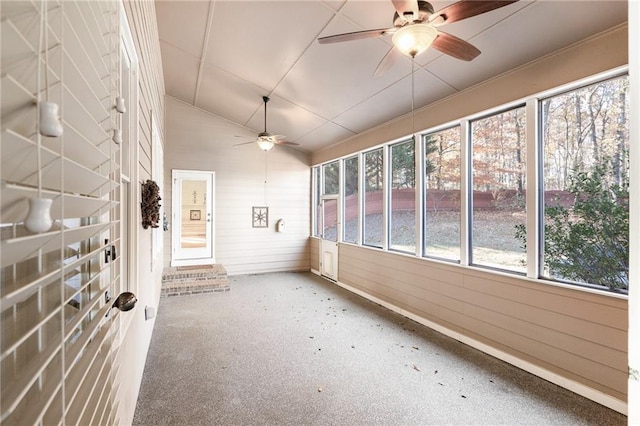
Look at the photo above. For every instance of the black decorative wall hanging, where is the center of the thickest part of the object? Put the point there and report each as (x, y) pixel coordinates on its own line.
(150, 204)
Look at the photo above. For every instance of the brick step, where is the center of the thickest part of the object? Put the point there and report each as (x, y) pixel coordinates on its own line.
(186, 280)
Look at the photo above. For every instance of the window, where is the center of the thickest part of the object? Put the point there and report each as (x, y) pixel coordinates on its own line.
(402, 224)
(498, 180)
(316, 182)
(351, 214)
(585, 144)
(331, 174)
(442, 194)
(373, 205)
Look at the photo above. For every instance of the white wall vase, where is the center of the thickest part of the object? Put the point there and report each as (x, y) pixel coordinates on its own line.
(50, 124)
(120, 105)
(117, 136)
(39, 216)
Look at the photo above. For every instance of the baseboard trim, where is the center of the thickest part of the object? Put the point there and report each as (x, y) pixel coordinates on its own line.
(573, 386)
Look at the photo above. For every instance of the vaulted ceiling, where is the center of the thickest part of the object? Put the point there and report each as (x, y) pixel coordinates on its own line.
(222, 56)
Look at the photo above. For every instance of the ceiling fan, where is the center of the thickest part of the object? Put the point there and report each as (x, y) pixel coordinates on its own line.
(415, 29)
(266, 140)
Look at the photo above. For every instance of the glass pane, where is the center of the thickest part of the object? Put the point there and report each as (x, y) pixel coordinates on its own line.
(586, 185)
(402, 225)
(373, 181)
(331, 178)
(317, 232)
(442, 194)
(499, 149)
(330, 220)
(350, 204)
(194, 214)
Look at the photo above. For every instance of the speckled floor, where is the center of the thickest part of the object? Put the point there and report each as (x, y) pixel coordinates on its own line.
(294, 349)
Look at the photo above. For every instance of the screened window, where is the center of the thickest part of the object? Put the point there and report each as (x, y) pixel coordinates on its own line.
(373, 202)
(317, 182)
(442, 194)
(402, 220)
(351, 216)
(331, 173)
(585, 142)
(498, 182)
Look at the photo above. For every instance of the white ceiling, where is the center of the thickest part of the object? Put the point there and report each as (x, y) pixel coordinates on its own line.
(223, 55)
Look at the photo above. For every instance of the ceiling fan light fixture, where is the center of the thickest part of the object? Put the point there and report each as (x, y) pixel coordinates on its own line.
(265, 141)
(414, 39)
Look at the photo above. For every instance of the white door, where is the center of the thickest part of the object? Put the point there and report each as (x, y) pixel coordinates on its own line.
(193, 206)
(329, 242)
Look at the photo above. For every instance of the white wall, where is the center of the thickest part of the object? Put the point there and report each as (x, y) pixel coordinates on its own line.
(137, 332)
(197, 140)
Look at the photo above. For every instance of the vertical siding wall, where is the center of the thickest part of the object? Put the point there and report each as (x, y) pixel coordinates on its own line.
(576, 338)
(133, 352)
(195, 142)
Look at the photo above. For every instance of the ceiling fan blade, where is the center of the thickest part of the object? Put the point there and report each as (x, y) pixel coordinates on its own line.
(356, 35)
(406, 6)
(454, 46)
(280, 140)
(387, 62)
(244, 143)
(466, 9)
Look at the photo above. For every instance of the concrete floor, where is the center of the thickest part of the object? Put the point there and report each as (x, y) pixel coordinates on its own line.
(295, 349)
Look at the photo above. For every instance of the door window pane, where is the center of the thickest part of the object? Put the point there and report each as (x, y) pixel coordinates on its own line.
(442, 194)
(330, 220)
(586, 185)
(499, 149)
(402, 221)
(373, 169)
(351, 216)
(193, 229)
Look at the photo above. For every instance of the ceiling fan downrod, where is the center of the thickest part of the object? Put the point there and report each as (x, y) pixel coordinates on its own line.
(265, 99)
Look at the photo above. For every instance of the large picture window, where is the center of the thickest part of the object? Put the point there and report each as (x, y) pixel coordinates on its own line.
(402, 220)
(373, 205)
(442, 194)
(498, 144)
(585, 141)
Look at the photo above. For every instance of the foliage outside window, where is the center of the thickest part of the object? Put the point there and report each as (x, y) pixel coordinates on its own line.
(350, 204)
(585, 136)
(499, 149)
(402, 220)
(442, 194)
(373, 183)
